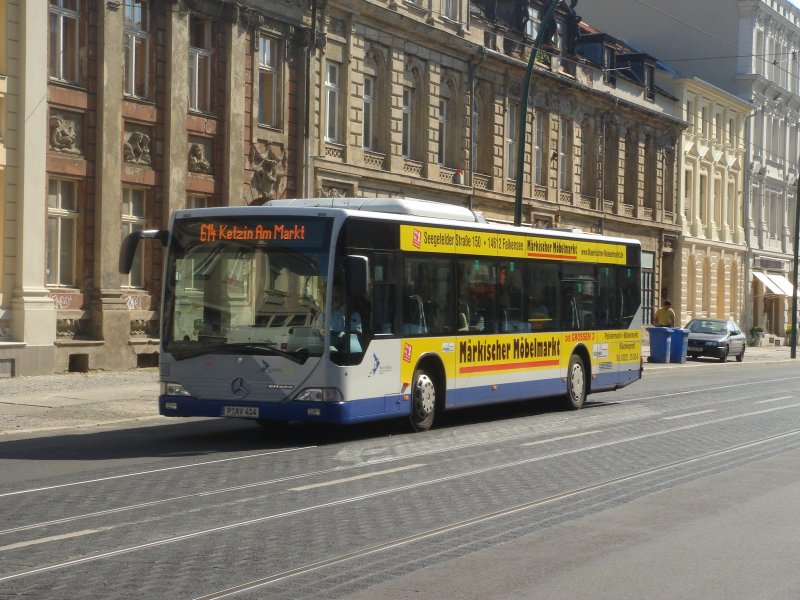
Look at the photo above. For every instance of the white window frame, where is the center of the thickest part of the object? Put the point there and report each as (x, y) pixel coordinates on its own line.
(61, 262)
(512, 128)
(532, 22)
(565, 155)
(609, 66)
(539, 149)
(332, 93)
(442, 121)
(60, 55)
(137, 43)
(408, 112)
(269, 66)
(368, 98)
(133, 220)
(449, 9)
(197, 201)
(475, 133)
(200, 99)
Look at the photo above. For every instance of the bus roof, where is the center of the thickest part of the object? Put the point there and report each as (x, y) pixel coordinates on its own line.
(398, 206)
(427, 211)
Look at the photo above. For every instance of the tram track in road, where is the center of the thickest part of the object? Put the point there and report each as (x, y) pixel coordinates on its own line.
(353, 500)
(489, 516)
(365, 465)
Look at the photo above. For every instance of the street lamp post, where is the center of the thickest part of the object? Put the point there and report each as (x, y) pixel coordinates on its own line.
(523, 113)
(795, 244)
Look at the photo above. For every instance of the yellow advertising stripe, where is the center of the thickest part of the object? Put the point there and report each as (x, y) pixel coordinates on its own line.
(475, 355)
(415, 238)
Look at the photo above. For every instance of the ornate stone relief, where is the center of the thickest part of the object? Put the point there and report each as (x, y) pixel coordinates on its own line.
(198, 163)
(64, 134)
(136, 149)
(332, 192)
(269, 170)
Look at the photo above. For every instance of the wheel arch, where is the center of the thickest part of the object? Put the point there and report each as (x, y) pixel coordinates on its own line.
(432, 363)
(583, 352)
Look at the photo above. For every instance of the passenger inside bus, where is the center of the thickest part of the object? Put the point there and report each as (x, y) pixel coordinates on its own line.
(538, 314)
(414, 316)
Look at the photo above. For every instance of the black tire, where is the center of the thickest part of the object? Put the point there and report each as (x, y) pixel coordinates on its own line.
(724, 356)
(576, 383)
(423, 400)
(740, 356)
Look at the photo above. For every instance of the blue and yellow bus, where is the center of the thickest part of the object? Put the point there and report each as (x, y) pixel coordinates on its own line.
(355, 309)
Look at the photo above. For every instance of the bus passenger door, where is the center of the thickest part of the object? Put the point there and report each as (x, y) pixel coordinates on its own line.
(583, 309)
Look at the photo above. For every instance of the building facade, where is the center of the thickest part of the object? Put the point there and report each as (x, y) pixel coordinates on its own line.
(711, 251)
(434, 98)
(155, 106)
(748, 48)
(150, 107)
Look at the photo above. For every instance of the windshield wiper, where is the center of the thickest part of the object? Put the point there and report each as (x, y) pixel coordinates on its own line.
(269, 349)
(183, 353)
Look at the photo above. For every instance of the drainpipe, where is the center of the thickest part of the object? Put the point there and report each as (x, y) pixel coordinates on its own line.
(471, 74)
(312, 47)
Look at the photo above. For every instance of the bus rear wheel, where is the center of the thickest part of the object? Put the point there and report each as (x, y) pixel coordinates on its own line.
(423, 401)
(576, 383)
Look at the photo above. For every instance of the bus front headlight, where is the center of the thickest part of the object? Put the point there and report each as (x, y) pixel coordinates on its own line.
(169, 388)
(319, 395)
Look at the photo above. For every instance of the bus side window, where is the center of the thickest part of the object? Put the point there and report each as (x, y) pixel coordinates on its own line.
(382, 293)
(427, 295)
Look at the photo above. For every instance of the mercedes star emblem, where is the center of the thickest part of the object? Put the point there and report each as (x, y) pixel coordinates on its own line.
(240, 387)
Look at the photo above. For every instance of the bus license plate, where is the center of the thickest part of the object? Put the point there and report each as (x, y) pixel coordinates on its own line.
(247, 412)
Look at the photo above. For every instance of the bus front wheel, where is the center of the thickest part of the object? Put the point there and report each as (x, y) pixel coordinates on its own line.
(423, 401)
(576, 383)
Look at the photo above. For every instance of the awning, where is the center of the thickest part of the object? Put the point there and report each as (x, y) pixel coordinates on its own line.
(784, 284)
(769, 284)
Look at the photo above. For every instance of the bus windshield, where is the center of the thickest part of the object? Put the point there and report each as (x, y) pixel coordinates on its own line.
(251, 285)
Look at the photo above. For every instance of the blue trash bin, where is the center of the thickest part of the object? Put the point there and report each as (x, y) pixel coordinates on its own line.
(660, 342)
(680, 344)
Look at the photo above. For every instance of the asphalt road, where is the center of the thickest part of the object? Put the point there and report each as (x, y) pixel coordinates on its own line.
(683, 485)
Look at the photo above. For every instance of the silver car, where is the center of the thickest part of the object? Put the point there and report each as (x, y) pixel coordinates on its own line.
(716, 338)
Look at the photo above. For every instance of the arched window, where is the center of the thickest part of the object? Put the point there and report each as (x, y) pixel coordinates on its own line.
(412, 113)
(448, 124)
(691, 288)
(721, 287)
(374, 98)
(707, 287)
(482, 134)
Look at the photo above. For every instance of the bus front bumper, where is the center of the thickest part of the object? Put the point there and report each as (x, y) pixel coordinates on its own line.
(313, 412)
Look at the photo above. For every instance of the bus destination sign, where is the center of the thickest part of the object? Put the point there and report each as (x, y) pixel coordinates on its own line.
(212, 232)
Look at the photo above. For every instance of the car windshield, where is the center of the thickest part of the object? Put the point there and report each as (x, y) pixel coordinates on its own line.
(249, 285)
(706, 326)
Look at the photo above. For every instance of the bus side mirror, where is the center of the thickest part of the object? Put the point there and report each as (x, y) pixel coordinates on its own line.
(131, 242)
(357, 275)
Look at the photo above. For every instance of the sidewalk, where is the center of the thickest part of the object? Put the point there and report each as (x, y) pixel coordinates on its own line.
(77, 400)
(83, 401)
(752, 354)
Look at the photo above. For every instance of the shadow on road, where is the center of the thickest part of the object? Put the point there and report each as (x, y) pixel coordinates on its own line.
(199, 437)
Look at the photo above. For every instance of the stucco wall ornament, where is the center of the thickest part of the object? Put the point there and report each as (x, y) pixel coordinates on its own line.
(137, 149)
(198, 163)
(269, 173)
(62, 136)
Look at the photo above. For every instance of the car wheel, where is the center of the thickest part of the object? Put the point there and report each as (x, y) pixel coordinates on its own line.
(576, 383)
(740, 356)
(724, 356)
(423, 401)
